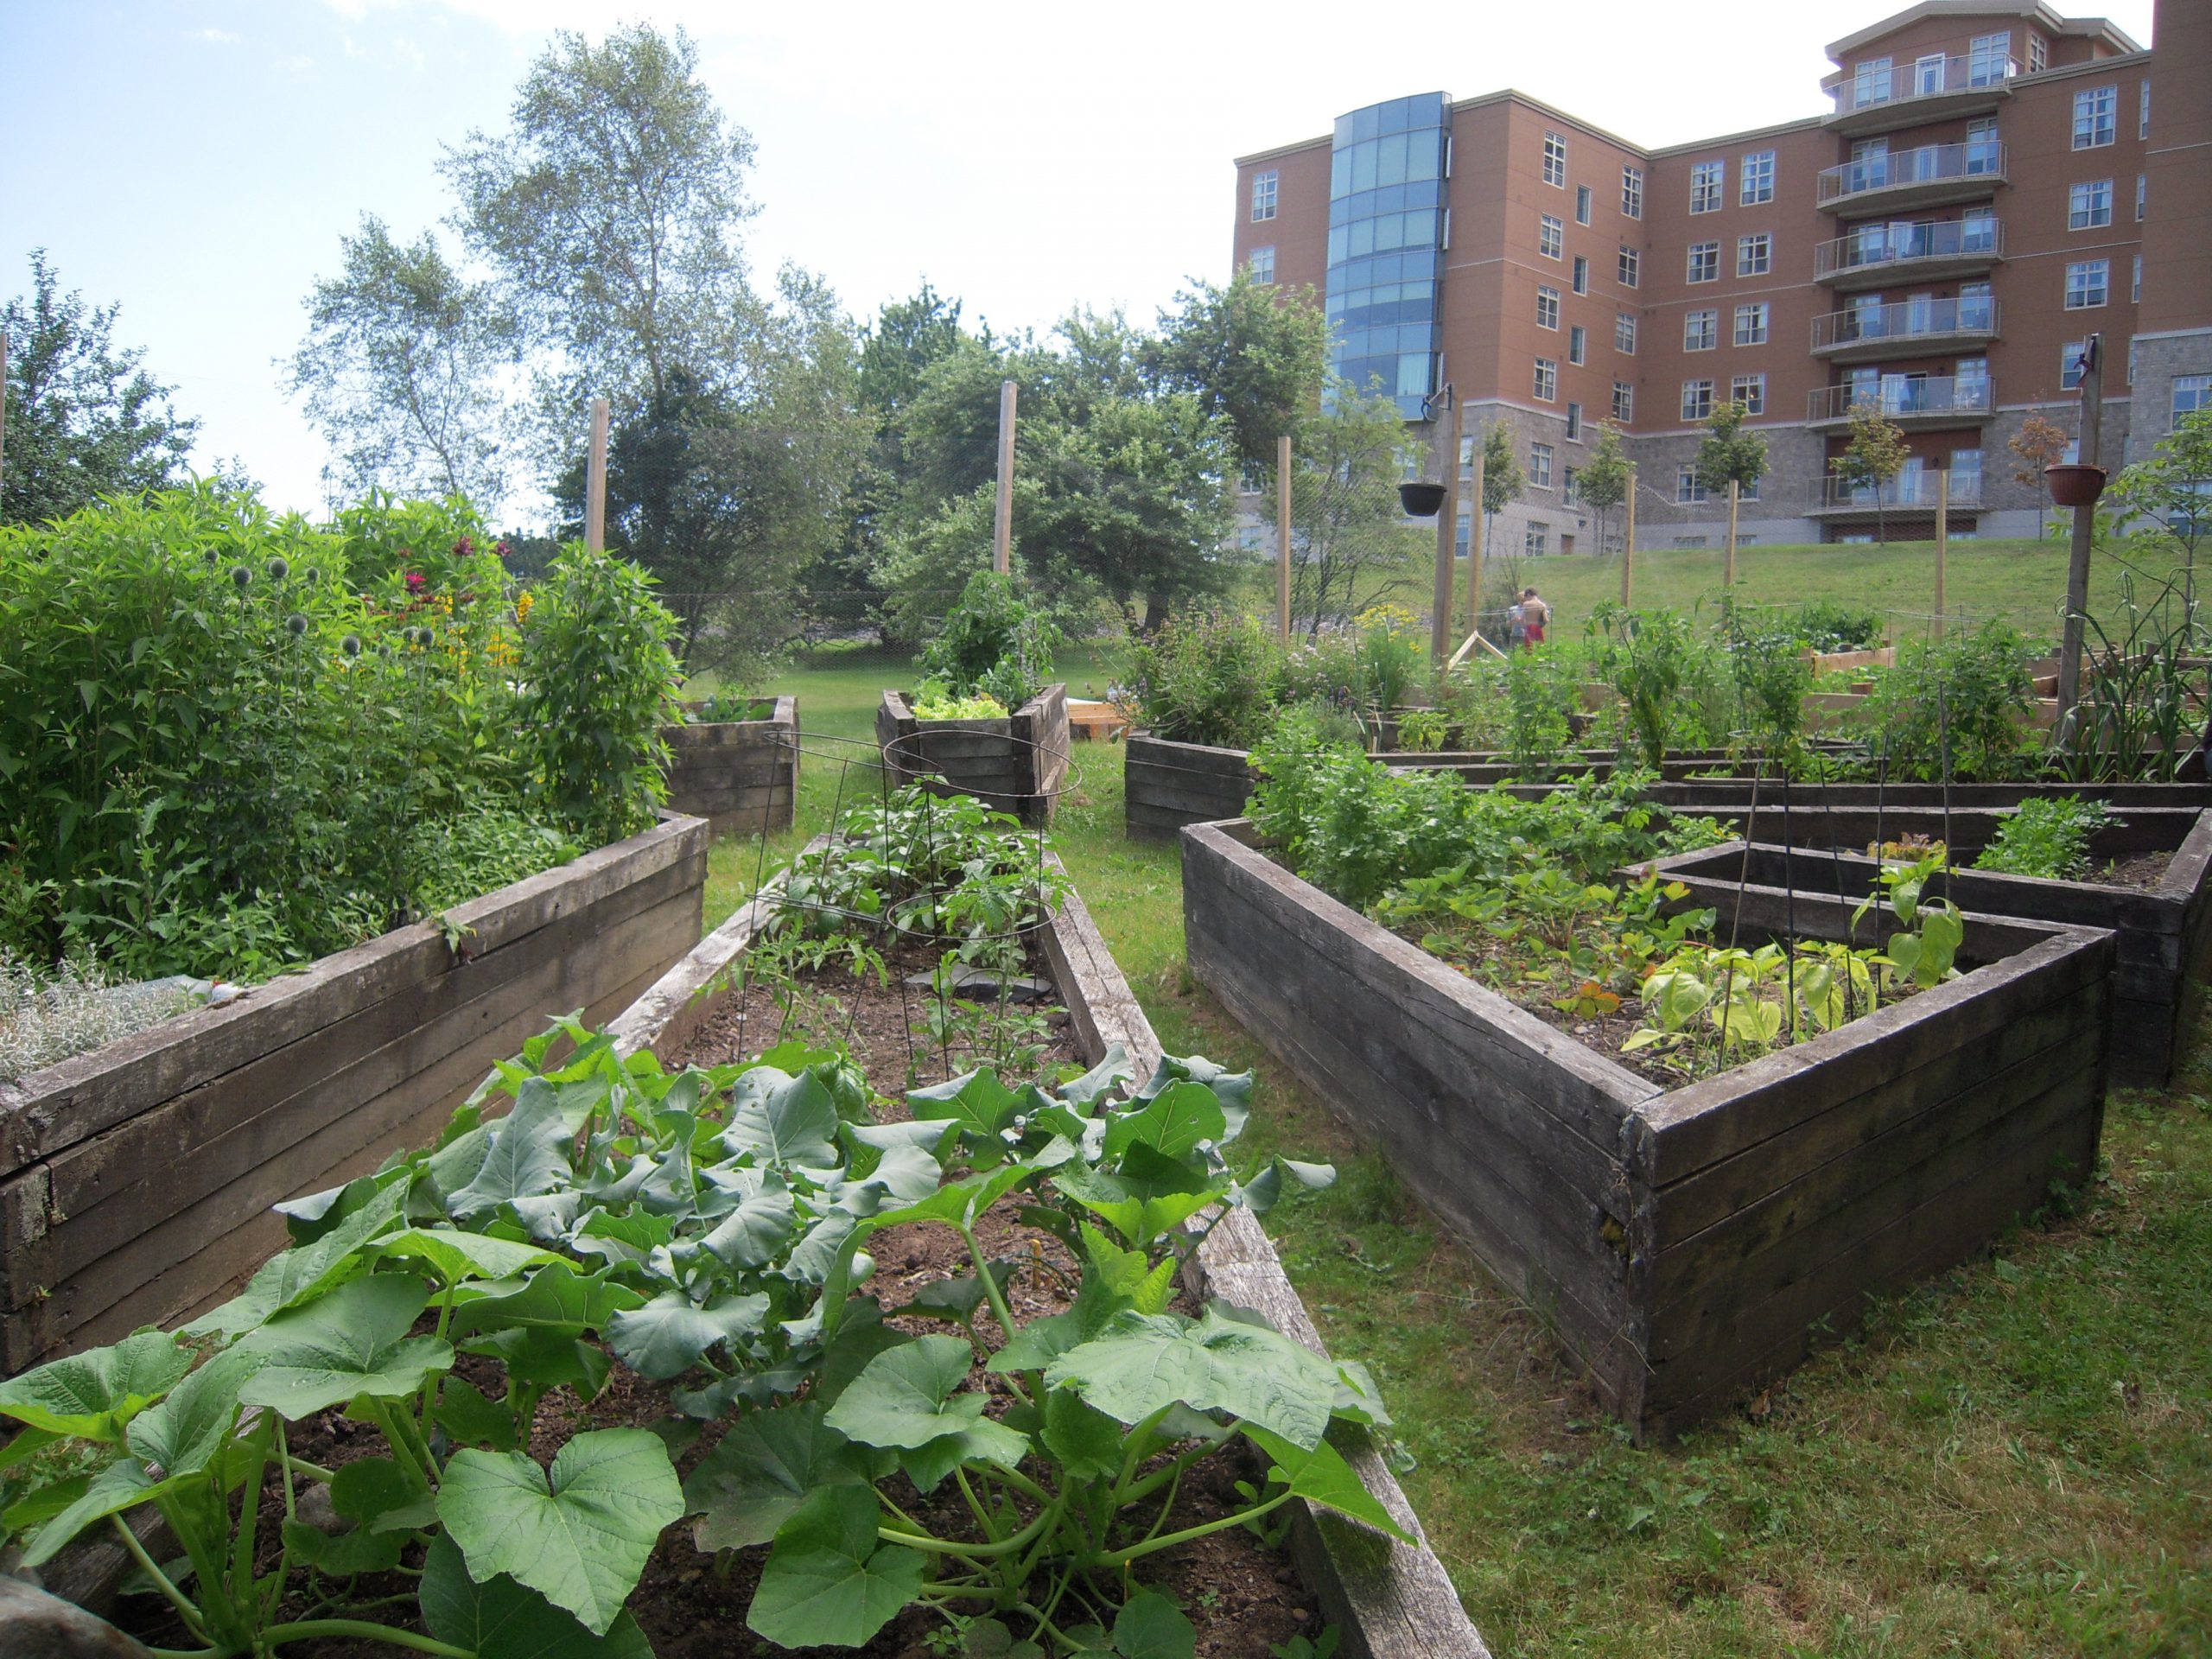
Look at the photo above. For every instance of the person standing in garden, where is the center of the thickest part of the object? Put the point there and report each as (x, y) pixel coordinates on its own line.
(1536, 617)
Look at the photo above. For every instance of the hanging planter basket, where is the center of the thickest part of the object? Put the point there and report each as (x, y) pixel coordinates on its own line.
(2073, 485)
(1420, 498)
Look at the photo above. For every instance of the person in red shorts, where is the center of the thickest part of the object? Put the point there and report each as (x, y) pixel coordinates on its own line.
(1536, 617)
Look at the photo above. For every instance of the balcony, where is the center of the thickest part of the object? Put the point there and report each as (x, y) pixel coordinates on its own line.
(1906, 328)
(1909, 494)
(1925, 251)
(1917, 403)
(1933, 89)
(1931, 176)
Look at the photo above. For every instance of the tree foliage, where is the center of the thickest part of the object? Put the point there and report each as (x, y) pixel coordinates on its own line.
(2172, 489)
(1349, 547)
(1252, 353)
(2038, 443)
(401, 370)
(85, 419)
(1875, 455)
(1503, 482)
(1729, 455)
(1604, 483)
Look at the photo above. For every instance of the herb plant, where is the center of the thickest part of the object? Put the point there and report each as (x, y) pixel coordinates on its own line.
(2046, 837)
(1211, 677)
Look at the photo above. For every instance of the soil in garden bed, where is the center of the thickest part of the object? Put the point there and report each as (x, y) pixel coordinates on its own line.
(2144, 871)
(1244, 1597)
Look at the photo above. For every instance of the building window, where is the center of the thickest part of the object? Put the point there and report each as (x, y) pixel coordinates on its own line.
(1633, 191)
(2088, 282)
(1989, 59)
(2070, 364)
(1263, 195)
(1537, 538)
(2143, 116)
(1581, 274)
(1966, 474)
(1574, 422)
(1755, 182)
(1264, 264)
(1625, 332)
(1568, 481)
(1547, 308)
(2192, 392)
(1697, 400)
(1700, 330)
(1624, 402)
(1749, 391)
(1546, 379)
(2142, 196)
(2039, 54)
(1555, 159)
(1582, 204)
(2089, 206)
(1751, 323)
(1630, 259)
(1870, 82)
(1576, 343)
(1540, 466)
(1754, 254)
(1705, 261)
(1705, 185)
(1689, 487)
(2096, 114)
(2135, 288)
(1551, 237)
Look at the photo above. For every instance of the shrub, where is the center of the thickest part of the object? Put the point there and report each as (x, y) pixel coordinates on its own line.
(1771, 677)
(1827, 625)
(994, 643)
(1647, 657)
(1208, 678)
(1954, 707)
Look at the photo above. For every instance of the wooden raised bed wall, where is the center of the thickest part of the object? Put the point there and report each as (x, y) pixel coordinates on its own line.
(1169, 784)
(2164, 933)
(740, 775)
(1014, 765)
(1686, 1243)
(135, 1181)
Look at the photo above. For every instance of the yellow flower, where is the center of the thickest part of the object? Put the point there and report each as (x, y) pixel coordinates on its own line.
(523, 601)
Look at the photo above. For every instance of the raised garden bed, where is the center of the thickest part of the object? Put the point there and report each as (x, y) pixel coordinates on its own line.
(1168, 784)
(135, 1180)
(1015, 765)
(740, 775)
(1688, 1244)
(1391, 1601)
(2164, 930)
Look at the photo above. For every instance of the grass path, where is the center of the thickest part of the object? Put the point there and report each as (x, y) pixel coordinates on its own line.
(2015, 1460)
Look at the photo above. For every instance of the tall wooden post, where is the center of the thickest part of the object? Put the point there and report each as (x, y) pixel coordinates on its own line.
(1282, 536)
(1447, 527)
(1942, 539)
(1002, 531)
(1728, 570)
(2077, 565)
(1475, 547)
(595, 481)
(1628, 549)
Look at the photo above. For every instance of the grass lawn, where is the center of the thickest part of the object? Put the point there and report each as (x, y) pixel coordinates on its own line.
(2013, 1461)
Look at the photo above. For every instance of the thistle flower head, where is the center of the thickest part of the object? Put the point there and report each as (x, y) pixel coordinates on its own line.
(279, 569)
(296, 623)
(241, 578)
(351, 644)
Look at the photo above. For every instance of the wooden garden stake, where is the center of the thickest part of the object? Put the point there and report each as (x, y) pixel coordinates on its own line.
(1282, 536)
(1942, 540)
(595, 481)
(1002, 535)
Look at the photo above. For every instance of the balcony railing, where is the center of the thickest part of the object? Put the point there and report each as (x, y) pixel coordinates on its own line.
(1909, 491)
(1981, 161)
(1905, 321)
(1905, 247)
(1906, 398)
(1929, 78)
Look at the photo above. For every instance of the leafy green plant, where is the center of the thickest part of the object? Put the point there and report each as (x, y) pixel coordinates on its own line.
(1771, 678)
(46, 1016)
(1210, 676)
(1392, 652)
(1423, 731)
(2145, 685)
(1645, 655)
(1959, 703)
(1828, 625)
(1708, 1006)
(994, 643)
(458, 858)
(1537, 690)
(934, 699)
(2046, 837)
(722, 707)
(1927, 949)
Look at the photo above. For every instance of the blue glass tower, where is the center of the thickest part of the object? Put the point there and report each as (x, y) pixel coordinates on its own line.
(1387, 170)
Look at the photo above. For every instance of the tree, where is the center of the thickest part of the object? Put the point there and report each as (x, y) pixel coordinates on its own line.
(2038, 443)
(85, 418)
(400, 370)
(1604, 483)
(1350, 546)
(729, 499)
(1253, 355)
(1503, 482)
(2173, 488)
(611, 211)
(1875, 455)
(1729, 455)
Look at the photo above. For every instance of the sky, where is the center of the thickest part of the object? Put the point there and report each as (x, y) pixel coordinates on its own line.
(196, 161)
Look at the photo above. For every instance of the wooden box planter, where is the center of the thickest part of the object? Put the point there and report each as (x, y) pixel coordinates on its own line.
(740, 775)
(2163, 948)
(135, 1181)
(1389, 1601)
(1687, 1243)
(1015, 765)
(1169, 784)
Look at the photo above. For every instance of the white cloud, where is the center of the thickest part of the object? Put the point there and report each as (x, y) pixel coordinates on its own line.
(219, 36)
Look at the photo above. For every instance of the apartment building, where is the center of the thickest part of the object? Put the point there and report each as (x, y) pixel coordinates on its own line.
(1984, 185)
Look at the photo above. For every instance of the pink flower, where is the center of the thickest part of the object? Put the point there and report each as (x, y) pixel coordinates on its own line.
(416, 582)
(503, 550)
(463, 548)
